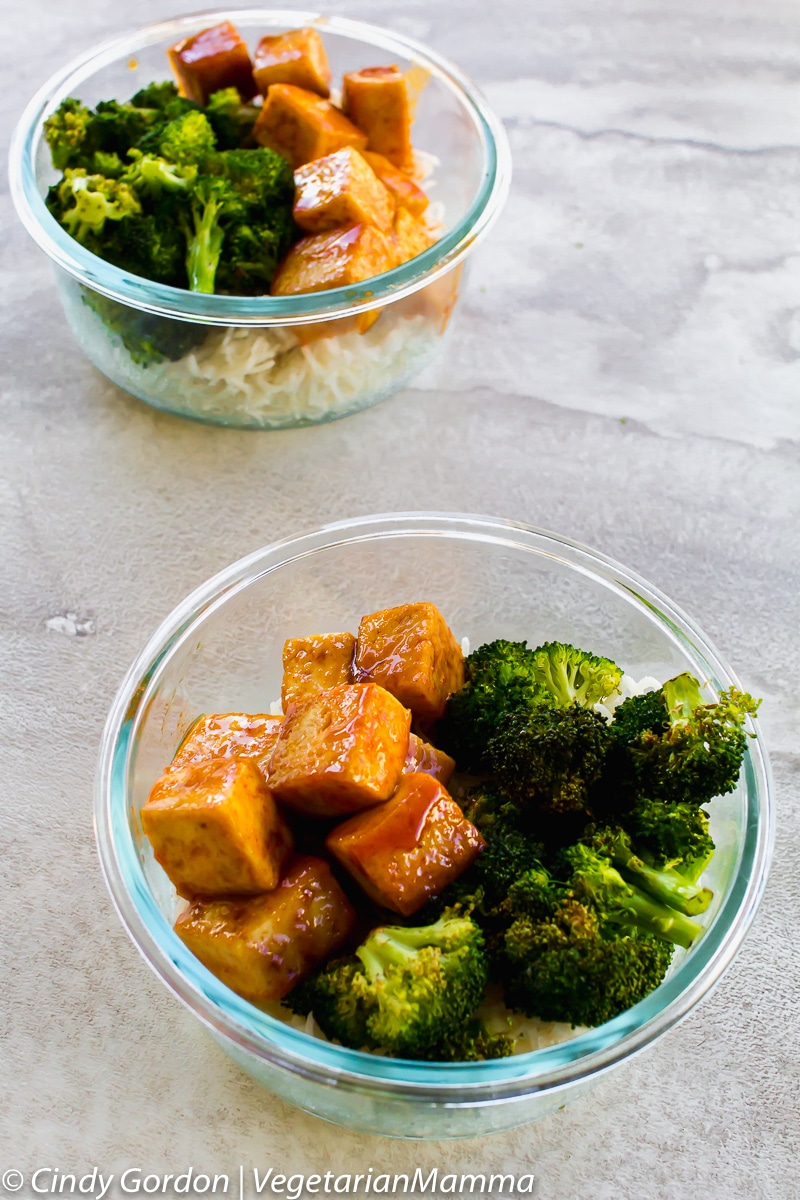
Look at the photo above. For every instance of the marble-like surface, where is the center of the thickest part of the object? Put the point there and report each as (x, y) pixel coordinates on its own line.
(625, 372)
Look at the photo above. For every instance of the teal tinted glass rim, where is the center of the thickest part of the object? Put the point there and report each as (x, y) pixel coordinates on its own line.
(467, 1084)
(157, 298)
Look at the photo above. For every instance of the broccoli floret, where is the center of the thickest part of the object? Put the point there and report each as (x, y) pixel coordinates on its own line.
(214, 203)
(671, 835)
(338, 1010)
(499, 680)
(231, 119)
(146, 337)
(84, 203)
(489, 808)
(692, 755)
(80, 137)
(562, 967)
(108, 163)
(152, 175)
(550, 757)
(189, 139)
(473, 1043)
(120, 126)
(245, 203)
(412, 990)
(597, 883)
(158, 94)
(71, 135)
(570, 676)
(663, 882)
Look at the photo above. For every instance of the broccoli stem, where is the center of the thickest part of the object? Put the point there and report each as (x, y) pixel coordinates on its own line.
(205, 247)
(682, 696)
(663, 883)
(669, 885)
(640, 910)
(397, 944)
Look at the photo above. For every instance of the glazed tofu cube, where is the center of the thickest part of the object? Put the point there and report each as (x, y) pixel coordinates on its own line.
(407, 194)
(409, 849)
(313, 664)
(340, 751)
(297, 57)
(410, 236)
(338, 190)
(376, 100)
(302, 126)
(212, 59)
(424, 757)
(337, 259)
(262, 946)
(215, 828)
(358, 323)
(229, 735)
(410, 651)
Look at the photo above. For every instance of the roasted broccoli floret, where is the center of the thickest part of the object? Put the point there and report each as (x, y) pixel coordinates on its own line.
(499, 680)
(564, 967)
(550, 757)
(663, 882)
(214, 203)
(70, 134)
(692, 755)
(158, 94)
(338, 1008)
(188, 139)
(231, 119)
(674, 835)
(597, 883)
(473, 1043)
(570, 676)
(152, 175)
(84, 203)
(408, 992)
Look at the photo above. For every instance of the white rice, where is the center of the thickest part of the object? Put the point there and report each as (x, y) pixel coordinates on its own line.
(265, 377)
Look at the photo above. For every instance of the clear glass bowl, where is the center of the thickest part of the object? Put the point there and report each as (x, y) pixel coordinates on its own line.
(236, 360)
(221, 650)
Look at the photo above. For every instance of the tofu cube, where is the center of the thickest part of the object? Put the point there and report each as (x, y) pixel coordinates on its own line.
(409, 849)
(329, 260)
(313, 664)
(262, 946)
(407, 193)
(302, 126)
(376, 100)
(340, 751)
(229, 735)
(297, 57)
(212, 59)
(410, 651)
(215, 828)
(338, 190)
(410, 236)
(358, 323)
(424, 757)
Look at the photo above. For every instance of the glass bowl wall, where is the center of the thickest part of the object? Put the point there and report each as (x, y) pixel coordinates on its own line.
(221, 650)
(259, 361)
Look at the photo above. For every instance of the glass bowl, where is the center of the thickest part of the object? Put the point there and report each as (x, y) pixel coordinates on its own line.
(221, 650)
(236, 360)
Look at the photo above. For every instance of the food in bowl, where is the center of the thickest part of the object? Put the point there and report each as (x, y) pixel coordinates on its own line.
(534, 820)
(243, 178)
(241, 356)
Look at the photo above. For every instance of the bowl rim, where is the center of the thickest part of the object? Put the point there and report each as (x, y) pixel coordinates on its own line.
(251, 1030)
(93, 272)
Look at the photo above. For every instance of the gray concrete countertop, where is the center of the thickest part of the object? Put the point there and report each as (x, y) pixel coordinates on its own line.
(626, 372)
